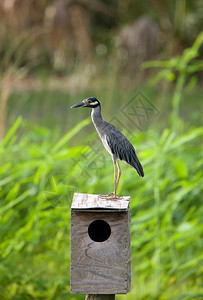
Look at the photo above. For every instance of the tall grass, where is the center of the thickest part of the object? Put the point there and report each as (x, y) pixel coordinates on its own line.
(182, 69)
(39, 173)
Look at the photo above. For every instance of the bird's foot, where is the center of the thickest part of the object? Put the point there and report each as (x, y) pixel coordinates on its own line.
(110, 196)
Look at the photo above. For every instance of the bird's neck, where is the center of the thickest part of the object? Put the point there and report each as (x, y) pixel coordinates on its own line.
(96, 116)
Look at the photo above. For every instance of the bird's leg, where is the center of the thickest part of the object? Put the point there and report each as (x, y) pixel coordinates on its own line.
(118, 177)
(119, 173)
(115, 178)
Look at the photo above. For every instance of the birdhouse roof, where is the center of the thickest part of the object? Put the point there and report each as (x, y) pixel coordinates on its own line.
(91, 202)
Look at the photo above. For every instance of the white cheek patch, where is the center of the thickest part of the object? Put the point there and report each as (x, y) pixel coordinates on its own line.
(93, 103)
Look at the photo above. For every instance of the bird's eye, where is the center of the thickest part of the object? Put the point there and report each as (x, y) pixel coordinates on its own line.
(89, 101)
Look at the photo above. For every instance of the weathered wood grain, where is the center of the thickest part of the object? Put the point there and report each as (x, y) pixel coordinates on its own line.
(85, 201)
(100, 297)
(100, 267)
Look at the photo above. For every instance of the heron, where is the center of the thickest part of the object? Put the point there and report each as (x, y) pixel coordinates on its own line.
(113, 140)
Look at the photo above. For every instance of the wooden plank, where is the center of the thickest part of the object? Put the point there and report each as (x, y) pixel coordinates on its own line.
(100, 267)
(129, 272)
(95, 202)
(100, 297)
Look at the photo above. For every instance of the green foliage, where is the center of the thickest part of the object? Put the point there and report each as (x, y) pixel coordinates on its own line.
(179, 69)
(39, 174)
(40, 171)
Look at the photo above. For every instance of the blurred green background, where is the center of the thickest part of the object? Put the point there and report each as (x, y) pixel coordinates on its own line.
(143, 61)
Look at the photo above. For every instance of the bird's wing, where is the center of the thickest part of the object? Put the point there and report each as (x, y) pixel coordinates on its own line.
(123, 149)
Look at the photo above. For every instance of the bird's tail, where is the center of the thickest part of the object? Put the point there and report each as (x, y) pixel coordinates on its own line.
(137, 166)
(139, 169)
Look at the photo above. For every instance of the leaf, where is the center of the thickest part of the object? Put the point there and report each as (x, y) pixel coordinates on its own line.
(12, 131)
(14, 202)
(181, 168)
(70, 134)
(193, 134)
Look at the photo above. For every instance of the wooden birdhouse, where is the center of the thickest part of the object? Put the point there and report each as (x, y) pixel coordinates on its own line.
(100, 245)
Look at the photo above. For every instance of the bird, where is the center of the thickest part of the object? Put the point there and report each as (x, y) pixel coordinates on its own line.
(113, 140)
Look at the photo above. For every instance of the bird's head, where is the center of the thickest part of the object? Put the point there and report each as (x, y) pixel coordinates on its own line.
(91, 102)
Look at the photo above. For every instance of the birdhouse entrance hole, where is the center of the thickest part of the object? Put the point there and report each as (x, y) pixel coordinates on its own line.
(99, 230)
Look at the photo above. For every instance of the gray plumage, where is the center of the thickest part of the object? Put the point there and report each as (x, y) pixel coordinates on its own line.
(120, 147)
(113, 140)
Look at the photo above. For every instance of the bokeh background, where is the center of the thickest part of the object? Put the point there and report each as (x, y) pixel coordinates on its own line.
(143, 61)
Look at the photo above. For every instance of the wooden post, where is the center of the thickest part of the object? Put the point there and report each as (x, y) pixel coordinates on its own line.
(100, 246)
(100, 297)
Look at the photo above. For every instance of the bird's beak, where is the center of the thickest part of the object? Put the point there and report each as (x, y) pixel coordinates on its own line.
(78, 105)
